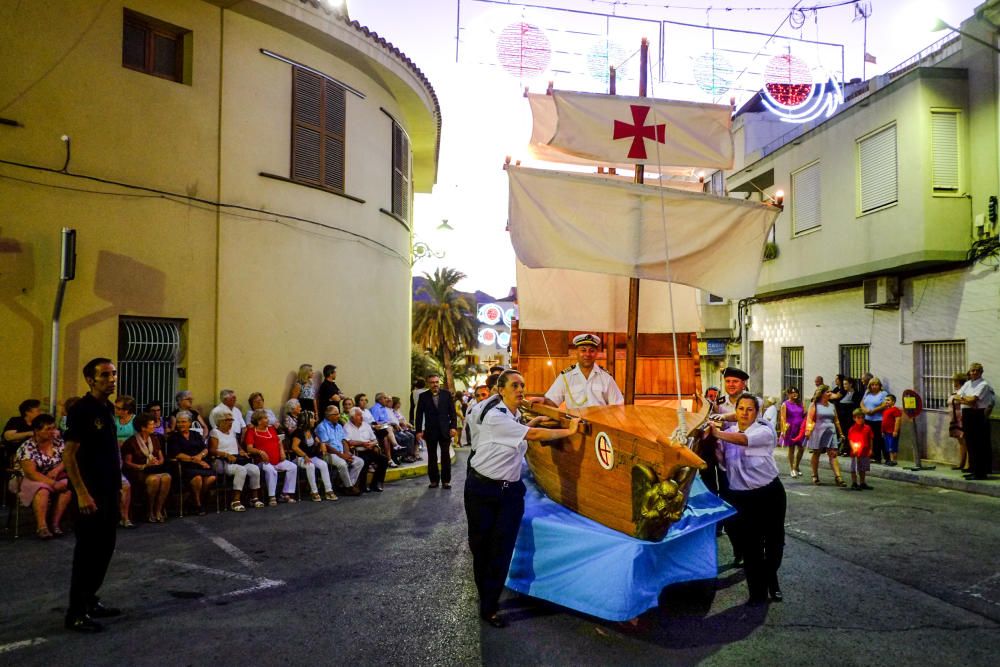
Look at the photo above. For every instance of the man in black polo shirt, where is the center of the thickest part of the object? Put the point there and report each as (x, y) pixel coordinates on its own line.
(328, 392)
(93, 464)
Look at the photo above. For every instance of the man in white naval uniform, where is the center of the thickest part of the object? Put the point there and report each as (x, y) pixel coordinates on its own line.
(584, 384)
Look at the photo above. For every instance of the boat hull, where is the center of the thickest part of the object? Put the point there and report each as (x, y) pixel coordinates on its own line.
(622, 470)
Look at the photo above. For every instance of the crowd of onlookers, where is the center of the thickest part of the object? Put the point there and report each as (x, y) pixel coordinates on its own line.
(851, 417)
(337, 444)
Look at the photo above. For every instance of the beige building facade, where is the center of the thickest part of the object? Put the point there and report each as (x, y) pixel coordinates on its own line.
(240, 178)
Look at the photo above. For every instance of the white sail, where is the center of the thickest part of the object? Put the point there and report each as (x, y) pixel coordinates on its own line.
(562, 220)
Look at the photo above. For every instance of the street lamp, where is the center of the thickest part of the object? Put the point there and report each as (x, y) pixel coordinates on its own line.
(940, 25)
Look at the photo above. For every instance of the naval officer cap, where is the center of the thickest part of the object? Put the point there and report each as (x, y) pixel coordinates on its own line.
(733, 372)
(586, 339)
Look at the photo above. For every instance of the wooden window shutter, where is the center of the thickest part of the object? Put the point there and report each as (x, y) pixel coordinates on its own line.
(806, 199)
(400, 172)
(877, 163)
(944, 146)
(319, 122)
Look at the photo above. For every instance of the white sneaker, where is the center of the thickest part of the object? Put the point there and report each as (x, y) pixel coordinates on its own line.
(393, 464)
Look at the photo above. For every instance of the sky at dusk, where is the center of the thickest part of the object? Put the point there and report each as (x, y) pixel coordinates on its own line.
(485, 116)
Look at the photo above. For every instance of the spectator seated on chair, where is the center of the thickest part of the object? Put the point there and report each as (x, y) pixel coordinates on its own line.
(308, 452)
(227, 403)
(232, 460)
(361, 439)
(155, 408)
(124, 416)
(264, 445)
(345, 410)
(18, 429)
(145, 466)
(185, 400)
(378, 419)
(290, 422)
(40, 477)
(406, 438)
(186, 447)
(331, 436)
(257, 403)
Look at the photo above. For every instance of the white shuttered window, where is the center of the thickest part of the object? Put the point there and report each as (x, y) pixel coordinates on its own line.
(805, 199)
(944, 145)
(877, 167)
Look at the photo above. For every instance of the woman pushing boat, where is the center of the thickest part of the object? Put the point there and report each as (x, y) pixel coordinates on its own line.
(494, 492)
(746, 449)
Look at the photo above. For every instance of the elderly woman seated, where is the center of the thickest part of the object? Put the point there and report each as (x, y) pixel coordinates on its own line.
(124, 418)
(257, 403)
(233, 460)
(40, 475)
(144, 465)
(185, 401)
(187, 447)
(293, 408)
(263, 443)
(309, 451)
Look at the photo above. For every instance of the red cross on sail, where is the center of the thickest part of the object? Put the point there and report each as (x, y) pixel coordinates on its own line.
(639, 132)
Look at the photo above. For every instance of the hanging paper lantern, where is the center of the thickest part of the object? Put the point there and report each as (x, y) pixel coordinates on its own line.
(503, 339)
(604, 54)
(713, 73)
(523, 50)
(509, 315)
(788, 80)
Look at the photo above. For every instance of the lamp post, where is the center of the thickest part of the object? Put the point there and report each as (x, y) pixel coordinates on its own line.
(422, 250)
(940, 25)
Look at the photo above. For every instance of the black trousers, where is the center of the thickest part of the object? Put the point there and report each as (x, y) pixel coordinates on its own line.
(878, 445)
(494, 510)
(759, 528)
(976, 426)
(95, 544)
(380, 462)
(433, 444)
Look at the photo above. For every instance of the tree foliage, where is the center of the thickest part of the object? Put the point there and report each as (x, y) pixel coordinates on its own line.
(445, 325)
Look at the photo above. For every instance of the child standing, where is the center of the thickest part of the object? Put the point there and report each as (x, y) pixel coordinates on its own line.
(860, 436)
(891, 419)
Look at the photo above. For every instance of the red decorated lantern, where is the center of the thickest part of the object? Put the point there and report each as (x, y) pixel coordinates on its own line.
(523, 50)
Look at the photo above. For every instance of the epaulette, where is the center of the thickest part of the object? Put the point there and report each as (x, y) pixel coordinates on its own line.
(503, 410)
(568, 369)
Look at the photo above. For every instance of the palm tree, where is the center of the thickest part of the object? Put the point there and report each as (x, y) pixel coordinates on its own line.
(446, 323)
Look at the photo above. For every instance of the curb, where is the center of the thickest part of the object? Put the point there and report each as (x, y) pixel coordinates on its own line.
(411, 470)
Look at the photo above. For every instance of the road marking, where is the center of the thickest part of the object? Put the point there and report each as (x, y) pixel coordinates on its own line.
(24, 643)
(259, 583)
(985, 584)
(234, 551)
(799, 493)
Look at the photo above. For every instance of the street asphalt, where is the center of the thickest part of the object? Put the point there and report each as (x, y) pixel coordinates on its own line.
(904, 574)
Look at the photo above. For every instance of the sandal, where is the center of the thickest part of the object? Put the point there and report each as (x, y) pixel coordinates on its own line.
(330, 495)
(237, 506)
(290, 500)
(840, 482)
(57, 532)
(44, 534)
(258, 504)
(272, 501)
(316, 498)
(816, 480)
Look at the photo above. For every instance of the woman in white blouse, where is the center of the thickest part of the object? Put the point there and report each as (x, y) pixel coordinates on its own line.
(233, 460)
(494, 492)
(746, 449)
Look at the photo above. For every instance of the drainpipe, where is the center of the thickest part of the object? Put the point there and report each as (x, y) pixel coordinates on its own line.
(67, 272)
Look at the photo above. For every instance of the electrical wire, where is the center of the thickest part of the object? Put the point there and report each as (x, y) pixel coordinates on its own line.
(198, 202)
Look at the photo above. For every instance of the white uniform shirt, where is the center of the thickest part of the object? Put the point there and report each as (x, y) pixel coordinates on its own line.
(363, 433)
(472, 419)
(501, 445)
(584, 392)
(753, 466)
(983, 392)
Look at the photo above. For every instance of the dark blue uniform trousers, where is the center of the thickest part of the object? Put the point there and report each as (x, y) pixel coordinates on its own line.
(494, 510)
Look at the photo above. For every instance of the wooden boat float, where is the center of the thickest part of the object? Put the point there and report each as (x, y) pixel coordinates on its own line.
(621, 469)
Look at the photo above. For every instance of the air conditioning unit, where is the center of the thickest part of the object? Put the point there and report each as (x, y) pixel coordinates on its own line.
(881, 292)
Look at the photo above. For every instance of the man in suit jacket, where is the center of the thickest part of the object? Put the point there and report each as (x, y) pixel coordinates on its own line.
(436, 423)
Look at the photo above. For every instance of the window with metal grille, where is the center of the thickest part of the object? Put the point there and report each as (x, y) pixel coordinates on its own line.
(153, 46)
(877, 169)
(854, 360)
(400, 171)
(936, 363)
(148, 352)
(944, 149)
(791, 367)
(319, 118)
(805, 199)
